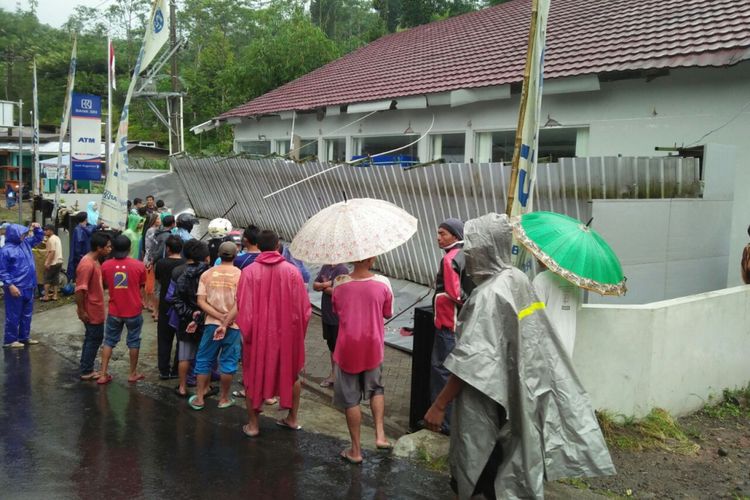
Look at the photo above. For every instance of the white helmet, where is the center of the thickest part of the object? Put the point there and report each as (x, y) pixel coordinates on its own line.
(218, 228)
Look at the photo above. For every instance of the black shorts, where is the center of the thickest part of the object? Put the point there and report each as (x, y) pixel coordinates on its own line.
(330, 333)
(52, 275)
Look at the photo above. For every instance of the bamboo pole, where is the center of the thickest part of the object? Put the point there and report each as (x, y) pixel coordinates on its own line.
(522, 111)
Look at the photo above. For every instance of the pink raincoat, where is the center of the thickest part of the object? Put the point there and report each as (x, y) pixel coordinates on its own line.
(273, 311)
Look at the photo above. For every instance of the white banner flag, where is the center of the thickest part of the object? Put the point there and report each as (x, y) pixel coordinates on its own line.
(66, 114)
(115, 197)
(528, 126)
(157, 32)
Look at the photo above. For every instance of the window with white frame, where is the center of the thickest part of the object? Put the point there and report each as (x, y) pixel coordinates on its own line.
(554, 143)
(256, 148)
(450, 147)
(282, 147)
(363, 146)
(335, 150)
(308, 148)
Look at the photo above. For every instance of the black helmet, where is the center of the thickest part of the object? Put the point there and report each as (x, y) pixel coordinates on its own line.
(186, 221)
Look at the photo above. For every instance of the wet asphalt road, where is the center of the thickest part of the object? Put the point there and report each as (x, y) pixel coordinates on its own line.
(60, 438)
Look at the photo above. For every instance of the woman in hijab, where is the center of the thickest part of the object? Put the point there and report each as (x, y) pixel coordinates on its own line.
(92, 213)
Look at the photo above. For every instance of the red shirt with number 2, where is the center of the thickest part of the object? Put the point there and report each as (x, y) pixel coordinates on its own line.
(124, 279)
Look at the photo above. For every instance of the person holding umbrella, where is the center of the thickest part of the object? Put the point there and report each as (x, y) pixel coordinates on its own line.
(352, 231)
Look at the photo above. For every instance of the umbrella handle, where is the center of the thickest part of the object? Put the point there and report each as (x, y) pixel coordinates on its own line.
(588, 224)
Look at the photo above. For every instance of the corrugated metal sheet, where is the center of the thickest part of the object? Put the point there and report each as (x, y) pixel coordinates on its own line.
(432, 193)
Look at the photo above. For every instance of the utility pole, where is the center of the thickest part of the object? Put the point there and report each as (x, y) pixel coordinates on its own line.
(175, 102)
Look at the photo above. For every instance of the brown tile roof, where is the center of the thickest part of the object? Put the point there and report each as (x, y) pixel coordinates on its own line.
(488, 47)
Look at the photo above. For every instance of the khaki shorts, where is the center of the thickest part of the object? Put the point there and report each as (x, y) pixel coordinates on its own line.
(350, 388)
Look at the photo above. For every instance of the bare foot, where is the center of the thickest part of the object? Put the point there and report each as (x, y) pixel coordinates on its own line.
(250, 431)
(383, 444)
(349, 456)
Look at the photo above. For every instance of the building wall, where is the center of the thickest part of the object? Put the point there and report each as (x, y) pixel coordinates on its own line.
(627, 117)
(667, 354)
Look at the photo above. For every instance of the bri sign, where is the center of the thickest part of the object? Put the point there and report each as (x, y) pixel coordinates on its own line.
(85, 136)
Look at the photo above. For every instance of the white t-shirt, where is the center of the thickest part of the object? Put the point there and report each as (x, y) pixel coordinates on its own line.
(562, 299)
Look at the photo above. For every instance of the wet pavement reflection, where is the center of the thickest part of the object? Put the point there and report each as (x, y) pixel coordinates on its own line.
(60, 438)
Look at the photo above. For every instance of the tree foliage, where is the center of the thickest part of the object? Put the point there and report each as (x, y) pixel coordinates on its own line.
(236, 50)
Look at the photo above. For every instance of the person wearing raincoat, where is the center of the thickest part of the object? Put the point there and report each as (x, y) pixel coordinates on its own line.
(92, 213)
(134, 232)
(80, 243)
(520, 414)
(18, 275)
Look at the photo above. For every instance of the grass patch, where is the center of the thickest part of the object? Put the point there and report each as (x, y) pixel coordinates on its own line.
(734, 403)
(439, 464)
(658, 430)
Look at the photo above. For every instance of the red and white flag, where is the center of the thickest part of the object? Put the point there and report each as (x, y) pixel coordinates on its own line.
(112, 73)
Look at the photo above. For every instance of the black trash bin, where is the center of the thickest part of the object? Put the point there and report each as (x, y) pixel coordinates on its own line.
(424, 335)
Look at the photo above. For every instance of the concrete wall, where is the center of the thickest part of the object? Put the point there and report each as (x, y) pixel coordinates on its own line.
(673, 354)
(668, 248)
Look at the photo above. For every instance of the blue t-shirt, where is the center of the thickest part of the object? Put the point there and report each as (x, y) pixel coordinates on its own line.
(245, 259)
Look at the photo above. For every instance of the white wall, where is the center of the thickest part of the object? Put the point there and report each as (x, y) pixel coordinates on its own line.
(668, 248)
(628, 117)
(673, 354)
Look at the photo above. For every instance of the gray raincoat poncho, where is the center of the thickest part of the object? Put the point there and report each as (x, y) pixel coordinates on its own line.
(507, 354)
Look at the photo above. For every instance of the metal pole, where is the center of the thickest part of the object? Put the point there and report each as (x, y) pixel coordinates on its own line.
(522, 111)
(173, 120)
(109, 106)
(182, 130)
(20, 162)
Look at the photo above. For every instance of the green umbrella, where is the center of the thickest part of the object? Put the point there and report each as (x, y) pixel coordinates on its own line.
(571, 249)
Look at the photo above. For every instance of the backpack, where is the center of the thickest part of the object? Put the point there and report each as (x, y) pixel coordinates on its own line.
(161, 245)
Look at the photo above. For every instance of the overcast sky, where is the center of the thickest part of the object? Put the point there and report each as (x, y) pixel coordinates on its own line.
(52, 12)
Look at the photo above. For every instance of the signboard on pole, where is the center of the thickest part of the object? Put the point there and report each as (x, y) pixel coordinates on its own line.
(85, 137)
(6, 114)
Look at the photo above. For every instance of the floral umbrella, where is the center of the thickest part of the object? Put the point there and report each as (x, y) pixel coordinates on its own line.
(353, 230)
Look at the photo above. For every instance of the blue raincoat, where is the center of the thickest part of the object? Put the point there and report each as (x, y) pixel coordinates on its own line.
(17, 268)
(80, 245)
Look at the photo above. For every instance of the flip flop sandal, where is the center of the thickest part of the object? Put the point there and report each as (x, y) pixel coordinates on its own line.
(228, 404)
(177, 391)
(282, 423)
(239, 394)
(193, 405)
(384, 447)
(90, 376)
(104, 381)
(326, 383)
(212, 391)
(349, 459)
(137, 378)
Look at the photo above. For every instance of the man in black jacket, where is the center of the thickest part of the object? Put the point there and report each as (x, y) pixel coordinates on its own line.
(185, 304)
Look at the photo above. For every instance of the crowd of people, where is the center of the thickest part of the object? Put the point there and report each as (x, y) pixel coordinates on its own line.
(241, 298)
(238, 298)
